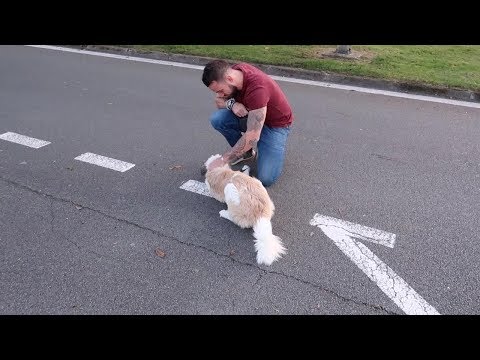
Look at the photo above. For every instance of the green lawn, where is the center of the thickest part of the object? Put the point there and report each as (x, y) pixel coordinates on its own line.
(441, 65)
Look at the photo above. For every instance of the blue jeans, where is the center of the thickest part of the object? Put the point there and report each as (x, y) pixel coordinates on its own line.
(271, 146)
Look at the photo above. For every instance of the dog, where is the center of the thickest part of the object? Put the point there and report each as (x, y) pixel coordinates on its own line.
(248, 206)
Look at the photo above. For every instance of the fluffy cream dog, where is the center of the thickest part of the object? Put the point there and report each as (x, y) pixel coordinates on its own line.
(248, 206)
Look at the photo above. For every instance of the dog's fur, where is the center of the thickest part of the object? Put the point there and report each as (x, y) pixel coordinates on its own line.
(248, 206)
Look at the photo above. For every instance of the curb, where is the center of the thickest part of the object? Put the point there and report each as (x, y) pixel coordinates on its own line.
(397, 86)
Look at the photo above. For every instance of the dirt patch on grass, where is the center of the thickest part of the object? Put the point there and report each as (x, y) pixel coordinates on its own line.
(355, 55)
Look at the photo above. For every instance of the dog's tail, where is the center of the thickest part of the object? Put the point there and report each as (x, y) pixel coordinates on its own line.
(269, 247)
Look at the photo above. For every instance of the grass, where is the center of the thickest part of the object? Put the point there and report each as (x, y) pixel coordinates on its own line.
(440, 65)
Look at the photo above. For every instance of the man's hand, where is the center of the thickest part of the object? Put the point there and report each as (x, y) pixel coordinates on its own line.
(239, 109)
(220, 102)
(216, 163)
(249, 139)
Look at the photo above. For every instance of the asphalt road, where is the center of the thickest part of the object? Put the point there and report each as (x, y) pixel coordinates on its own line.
(77, 238)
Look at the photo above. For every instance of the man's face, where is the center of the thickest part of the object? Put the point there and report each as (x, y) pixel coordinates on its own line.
(223, 89)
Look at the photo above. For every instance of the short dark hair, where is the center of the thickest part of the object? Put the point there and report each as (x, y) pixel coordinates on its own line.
(214, 71)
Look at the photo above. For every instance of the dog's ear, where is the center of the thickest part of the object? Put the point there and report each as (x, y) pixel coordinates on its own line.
(211, 159)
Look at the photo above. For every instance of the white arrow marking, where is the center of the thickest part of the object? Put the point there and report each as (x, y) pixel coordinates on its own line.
(342, 233)
(359, 231)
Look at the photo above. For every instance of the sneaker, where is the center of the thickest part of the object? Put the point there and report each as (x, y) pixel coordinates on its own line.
(250, 154)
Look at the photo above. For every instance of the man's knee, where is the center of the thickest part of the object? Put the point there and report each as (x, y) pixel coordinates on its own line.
(267, 179)
(217, 119)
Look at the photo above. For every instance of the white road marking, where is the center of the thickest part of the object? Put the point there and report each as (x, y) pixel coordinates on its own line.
(106, 162)
(342, 233)
(380, 92)
(196, 187)
(278, 78)
(359, 231)
(24, 140)
(116, 56)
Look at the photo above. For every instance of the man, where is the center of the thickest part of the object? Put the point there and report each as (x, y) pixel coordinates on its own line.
(253, 115)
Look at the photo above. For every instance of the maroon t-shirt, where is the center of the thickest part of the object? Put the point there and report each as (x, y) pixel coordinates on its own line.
(261, 90)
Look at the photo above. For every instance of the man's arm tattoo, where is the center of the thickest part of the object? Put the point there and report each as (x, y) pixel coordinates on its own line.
(249, 140)
(238, 149)
(256, 119)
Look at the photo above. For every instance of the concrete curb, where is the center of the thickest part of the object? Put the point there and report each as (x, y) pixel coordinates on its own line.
(403, 87)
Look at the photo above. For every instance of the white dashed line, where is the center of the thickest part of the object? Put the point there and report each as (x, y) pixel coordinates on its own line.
(106, 162)
(23, 140)
(196, 187)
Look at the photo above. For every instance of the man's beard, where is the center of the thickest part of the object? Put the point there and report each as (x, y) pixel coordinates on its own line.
(234, 91)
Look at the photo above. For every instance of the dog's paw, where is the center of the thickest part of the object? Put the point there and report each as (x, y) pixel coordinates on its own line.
(225, 214)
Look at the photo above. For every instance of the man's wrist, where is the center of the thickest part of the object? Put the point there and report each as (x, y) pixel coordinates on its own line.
(226, 158)
(229, 103)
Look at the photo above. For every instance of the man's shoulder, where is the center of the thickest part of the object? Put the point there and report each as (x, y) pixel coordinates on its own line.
(243, 65)
(247, 67)
(253, 76)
